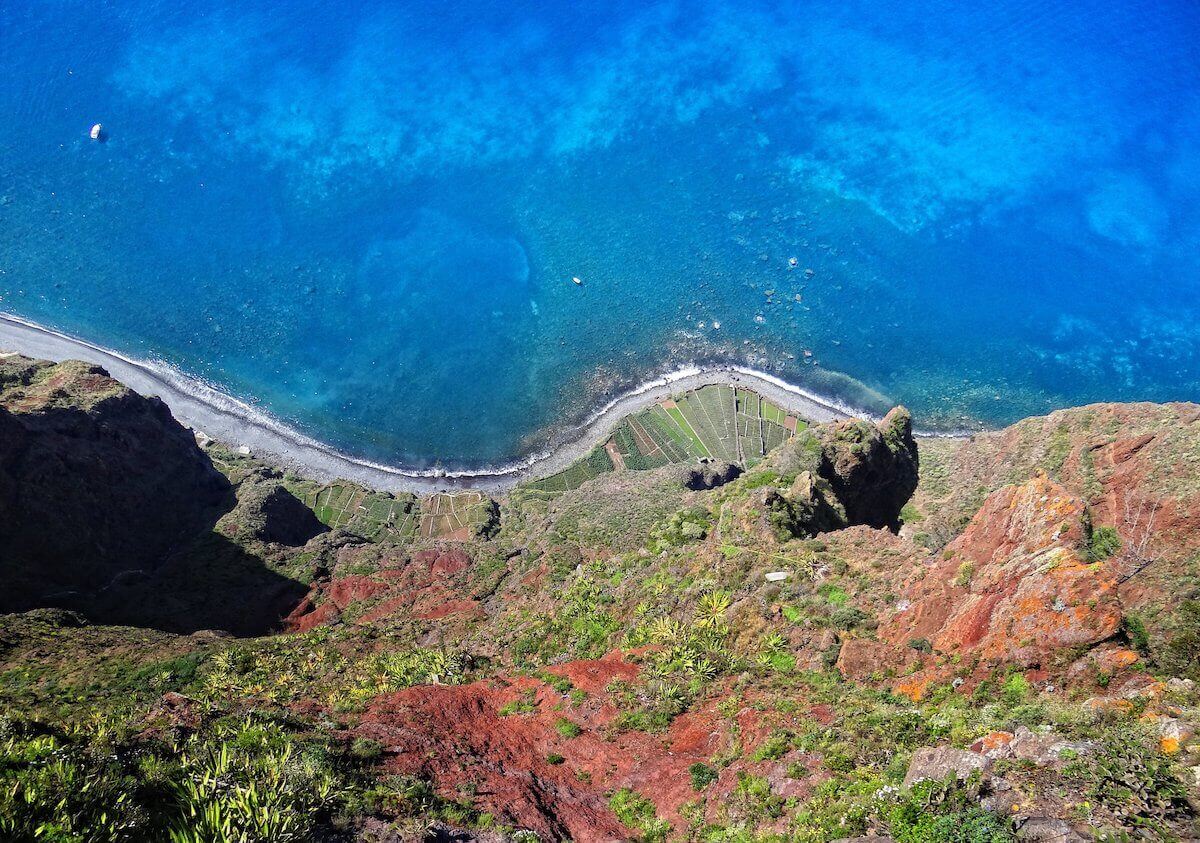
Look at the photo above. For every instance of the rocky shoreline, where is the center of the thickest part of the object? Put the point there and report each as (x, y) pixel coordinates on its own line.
(229, 420)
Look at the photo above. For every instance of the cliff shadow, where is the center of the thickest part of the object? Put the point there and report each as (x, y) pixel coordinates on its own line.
(213, 584)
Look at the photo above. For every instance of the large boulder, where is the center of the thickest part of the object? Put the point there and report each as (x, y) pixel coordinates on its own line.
(938, 762)
(95, 480)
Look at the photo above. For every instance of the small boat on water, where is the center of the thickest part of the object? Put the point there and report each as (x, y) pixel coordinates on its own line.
(577, 280)
(96, 131)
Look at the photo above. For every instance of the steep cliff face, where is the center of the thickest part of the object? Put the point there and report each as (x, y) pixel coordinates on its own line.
(95, 480)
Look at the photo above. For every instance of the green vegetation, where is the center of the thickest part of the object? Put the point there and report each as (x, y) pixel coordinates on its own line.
(1129, 776)
(719, 422)
(375, 516)
(567, 729)
(464, 514)
(946, 812)
(1181, 655)
(685, 526)
(638, 813)
(656, 600)
(702, 775)
(1057, 451)
(597, 462)
(238, 779)
(965, 572)
(1103, 542)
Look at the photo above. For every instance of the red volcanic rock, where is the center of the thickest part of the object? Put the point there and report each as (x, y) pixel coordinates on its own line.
(338, 593)
(860, 657)
(453, 561)
(305, 618)
(455, 735)
(450, 607)
(346, 590)
(1133, 465)
(592, 676)
(1014, 586)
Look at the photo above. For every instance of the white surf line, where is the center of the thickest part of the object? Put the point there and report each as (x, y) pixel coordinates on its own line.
(205, 408)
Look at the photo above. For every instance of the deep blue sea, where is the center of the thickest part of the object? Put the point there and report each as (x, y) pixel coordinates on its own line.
(366, 216)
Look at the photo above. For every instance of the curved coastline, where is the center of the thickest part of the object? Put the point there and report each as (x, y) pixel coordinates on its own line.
(223, 417)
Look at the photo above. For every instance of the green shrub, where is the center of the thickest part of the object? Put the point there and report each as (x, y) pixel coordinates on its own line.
(702, 775)
(638, 813)
(1102, 543)
(777, 745)
(1135, 631)
(1130, 776)
(848, 617)
(234, 780)
(835, 595)
(946, 812)
(567, 729)
(684, 527)
(366, 749)
(965, 572)
(1181, 655)
(1016, 689)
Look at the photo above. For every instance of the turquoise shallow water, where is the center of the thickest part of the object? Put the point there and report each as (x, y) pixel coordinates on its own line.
(366, 216)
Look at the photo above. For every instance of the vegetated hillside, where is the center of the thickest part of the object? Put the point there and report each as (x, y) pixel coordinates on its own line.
(808, 650)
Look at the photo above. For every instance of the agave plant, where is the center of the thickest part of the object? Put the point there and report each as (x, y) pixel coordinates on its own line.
(711, 609)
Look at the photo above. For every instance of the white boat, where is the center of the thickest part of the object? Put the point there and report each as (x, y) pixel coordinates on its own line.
(577, 279)
(97, 130)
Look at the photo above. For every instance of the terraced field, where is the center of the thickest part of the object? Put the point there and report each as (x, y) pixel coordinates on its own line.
(713, 422)
(593, 465)
(457, 516)
(373, 515)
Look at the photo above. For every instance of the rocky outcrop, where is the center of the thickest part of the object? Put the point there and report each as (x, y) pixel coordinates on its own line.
(95, 480)
(709, 475)
(938, 762)
(1017, 587)
(843, 474)
(268, 512)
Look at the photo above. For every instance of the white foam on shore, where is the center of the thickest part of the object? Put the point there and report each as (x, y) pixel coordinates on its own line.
(206, 408)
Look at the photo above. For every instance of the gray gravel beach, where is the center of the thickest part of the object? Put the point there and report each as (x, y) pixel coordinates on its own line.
(236, 423)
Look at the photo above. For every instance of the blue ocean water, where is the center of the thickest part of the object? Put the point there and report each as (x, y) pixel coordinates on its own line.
(366, 216)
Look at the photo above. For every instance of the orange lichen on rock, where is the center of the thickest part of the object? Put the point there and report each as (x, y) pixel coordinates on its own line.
(1014, 587)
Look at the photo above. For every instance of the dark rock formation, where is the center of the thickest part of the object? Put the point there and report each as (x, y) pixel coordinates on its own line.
(268, 512)
(94, 480)
(844, 474)
(709, 475)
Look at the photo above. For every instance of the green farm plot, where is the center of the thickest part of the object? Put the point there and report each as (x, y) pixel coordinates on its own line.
(639, 451)
(460, 516)
(713, 422)
(695, 443)
(593, 465)
(711, 413)
(373, 515)
(667, 434)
